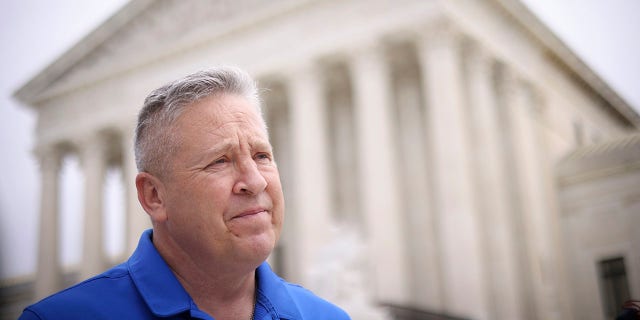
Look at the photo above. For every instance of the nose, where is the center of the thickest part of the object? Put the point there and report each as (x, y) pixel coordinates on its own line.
(250, 180)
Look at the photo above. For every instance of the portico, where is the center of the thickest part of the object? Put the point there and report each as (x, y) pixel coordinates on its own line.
(425, 132)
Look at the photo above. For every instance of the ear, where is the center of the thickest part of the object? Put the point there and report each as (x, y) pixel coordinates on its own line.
(151, 196)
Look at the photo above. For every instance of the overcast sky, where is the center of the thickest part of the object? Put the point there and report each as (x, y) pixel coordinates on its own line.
(33, 33)
(605, 34)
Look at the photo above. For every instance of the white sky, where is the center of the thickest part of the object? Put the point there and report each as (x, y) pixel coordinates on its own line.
(33, 33)
(606, 34)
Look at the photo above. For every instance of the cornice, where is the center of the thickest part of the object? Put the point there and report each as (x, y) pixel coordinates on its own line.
(139, 35)
(30, 92)
(565, 58)
(621, 155)
(92, 60)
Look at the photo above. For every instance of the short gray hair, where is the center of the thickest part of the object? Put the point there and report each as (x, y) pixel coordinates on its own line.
(154, 141)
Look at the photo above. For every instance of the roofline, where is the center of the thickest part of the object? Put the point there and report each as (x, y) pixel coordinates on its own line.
(565, 56)
(581, 72)
(29, 92)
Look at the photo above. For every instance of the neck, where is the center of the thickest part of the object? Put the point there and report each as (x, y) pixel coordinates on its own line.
(221, 291)
(224, 299)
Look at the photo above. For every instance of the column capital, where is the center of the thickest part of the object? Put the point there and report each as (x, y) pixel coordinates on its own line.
(372, 48)
(509, 83)
(479, 56)
(49, 156)
(91, 146)
(519, 93)
(301, 70)
(127, 129)
(537, 99)
(438, 33)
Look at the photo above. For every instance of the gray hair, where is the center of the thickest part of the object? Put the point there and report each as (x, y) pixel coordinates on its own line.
(154, 139)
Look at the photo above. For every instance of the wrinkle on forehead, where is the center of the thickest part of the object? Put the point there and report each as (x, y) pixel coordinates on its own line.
(238, 128)
(221, 123)
(229, 110)
(221, 110)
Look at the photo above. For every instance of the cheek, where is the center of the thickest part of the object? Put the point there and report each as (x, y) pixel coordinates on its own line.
(275, 190)
(197, 201)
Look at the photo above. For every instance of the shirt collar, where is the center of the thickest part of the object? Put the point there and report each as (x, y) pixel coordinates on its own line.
(165, 296)
(273, 293)
(155, 281)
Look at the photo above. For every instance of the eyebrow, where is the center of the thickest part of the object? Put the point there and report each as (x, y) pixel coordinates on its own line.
(220, 148)
(261, 144)
(206, 155)
(226, 145)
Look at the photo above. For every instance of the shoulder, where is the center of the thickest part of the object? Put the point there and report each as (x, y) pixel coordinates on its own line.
(312, 306)
(107, 293)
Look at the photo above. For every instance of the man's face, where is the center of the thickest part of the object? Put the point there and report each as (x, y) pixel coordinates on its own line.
(223, 194)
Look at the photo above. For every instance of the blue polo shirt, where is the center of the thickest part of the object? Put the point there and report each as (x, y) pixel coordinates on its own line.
(144, 287)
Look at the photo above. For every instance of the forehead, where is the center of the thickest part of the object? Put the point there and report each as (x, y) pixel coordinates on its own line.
(220, 112)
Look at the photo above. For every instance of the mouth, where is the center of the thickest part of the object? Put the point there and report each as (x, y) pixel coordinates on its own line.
(250, 212)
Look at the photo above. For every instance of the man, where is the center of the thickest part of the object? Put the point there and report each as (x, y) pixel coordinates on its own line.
(209, 182)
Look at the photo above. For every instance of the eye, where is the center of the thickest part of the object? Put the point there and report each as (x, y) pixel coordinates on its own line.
(263, 157)
(218, 163)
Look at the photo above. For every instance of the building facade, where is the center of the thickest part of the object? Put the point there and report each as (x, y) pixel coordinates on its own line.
(421, 146)
(599, 187)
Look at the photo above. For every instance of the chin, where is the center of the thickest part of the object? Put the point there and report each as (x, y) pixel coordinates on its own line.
(262, 245)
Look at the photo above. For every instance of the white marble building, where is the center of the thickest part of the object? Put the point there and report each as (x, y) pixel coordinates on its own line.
(422, 145)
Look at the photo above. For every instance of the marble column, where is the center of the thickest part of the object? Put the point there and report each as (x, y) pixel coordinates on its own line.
(557, 286)
(461, 255)
(136, 219)
(342, 141)
(529, 176)
(276, 113)
(49, 276)
(413, 158)
(310, 168)
(381, 208)
(501, 269)
(93, 158)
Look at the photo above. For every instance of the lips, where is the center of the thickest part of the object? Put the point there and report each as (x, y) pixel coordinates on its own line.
(250, 212)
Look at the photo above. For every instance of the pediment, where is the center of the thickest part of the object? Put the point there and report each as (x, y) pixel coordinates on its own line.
(148, 31)
(144, 31)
